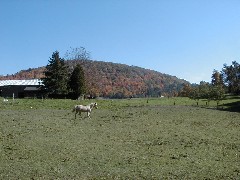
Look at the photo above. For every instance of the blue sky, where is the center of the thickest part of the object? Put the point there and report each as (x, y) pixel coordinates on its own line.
(184, 38)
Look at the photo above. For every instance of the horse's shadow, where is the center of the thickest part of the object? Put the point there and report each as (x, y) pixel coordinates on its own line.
(79, 118)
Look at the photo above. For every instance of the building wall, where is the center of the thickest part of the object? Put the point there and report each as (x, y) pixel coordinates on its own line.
(18, 90)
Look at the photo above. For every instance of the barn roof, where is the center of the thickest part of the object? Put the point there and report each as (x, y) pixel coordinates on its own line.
(21, 82)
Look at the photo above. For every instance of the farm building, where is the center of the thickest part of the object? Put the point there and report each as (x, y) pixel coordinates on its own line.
(20, 88)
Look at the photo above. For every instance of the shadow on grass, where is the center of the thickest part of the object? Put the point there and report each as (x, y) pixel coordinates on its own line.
(232, 97)
(232, 107)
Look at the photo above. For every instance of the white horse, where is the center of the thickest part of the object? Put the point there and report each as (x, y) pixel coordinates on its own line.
(81, 108)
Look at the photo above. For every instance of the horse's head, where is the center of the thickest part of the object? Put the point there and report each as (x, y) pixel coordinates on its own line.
(93, 105)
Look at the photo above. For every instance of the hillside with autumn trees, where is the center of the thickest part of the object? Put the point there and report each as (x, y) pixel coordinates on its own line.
(107, 79)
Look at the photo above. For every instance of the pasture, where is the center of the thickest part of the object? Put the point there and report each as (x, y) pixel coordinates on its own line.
(124, 139)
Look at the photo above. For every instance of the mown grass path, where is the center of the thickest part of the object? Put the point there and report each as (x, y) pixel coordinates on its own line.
(136, 139)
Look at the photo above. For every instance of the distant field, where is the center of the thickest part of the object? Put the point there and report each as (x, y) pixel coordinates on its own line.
(135, 139)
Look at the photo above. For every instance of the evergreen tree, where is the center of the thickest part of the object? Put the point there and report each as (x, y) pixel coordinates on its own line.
(56, 75)
(77, 81)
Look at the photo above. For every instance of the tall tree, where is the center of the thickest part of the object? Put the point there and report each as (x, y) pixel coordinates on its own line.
(217, 89)
(77, 54)
(231, 76)
(56, 75)
(77, 81)
(217, 78)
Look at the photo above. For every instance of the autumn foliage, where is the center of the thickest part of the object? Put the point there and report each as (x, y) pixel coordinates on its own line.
(114, 80)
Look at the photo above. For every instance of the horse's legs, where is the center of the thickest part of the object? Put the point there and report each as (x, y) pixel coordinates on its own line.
(77, 111)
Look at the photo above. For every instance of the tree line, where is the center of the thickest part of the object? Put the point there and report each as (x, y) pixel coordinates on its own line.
(225, 81)
(64, 79)
(77, 75)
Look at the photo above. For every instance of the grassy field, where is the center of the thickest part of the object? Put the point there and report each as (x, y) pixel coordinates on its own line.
(124, 139)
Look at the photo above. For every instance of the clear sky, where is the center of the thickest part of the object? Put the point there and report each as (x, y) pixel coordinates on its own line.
(184, 38)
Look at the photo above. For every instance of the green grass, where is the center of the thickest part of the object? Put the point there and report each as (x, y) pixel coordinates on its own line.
(124, 139)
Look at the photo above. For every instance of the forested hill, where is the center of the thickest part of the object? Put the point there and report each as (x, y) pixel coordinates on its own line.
(116, 80)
